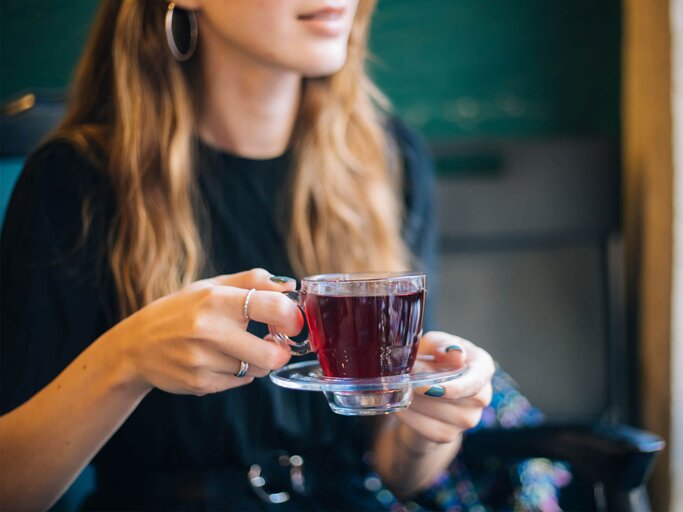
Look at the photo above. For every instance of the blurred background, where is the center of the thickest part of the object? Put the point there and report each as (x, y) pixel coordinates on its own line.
(520, 102)
(552, 126)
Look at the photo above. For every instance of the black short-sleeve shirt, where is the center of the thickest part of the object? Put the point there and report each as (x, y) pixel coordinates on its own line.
(180, 452)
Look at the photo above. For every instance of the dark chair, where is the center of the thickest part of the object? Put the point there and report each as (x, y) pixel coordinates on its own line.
(613, 462)
(531, 270)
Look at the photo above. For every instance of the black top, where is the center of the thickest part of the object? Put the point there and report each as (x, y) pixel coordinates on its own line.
(181, 451)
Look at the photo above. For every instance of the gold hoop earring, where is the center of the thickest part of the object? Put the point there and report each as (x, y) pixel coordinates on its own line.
(170, 38)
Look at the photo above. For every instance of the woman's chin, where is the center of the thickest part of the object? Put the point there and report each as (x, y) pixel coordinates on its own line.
(321, 62)
(322, 69)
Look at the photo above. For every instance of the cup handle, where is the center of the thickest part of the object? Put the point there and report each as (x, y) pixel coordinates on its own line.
(296, 348)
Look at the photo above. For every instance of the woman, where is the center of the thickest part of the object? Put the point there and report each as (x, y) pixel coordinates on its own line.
(253, 142)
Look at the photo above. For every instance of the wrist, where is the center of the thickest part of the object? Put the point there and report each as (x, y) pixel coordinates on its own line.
(411, 441)
(121, 359)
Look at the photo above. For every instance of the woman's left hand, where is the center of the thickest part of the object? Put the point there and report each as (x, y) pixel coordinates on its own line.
(441, 413)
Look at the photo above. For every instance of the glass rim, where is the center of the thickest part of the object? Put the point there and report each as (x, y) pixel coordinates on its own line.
(363, 277)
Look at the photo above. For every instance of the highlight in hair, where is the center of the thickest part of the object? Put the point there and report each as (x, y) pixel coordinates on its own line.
(346, 215)
(132, 104)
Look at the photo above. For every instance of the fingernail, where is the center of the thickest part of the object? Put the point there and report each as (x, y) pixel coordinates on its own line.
(435, 391)
(282, 279)
(454, 347)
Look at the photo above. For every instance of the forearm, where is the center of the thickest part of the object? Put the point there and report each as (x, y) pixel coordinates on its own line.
(407, 462)
(48, 440)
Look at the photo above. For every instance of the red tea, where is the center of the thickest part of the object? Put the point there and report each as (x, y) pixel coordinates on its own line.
(365, 336)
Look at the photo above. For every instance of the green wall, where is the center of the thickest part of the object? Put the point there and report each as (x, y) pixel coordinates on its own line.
(452, 67)
(40, 41)
(502, 67)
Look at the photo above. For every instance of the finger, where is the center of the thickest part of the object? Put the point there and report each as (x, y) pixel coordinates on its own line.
(244, 346)
(226, 306)
(430, 428)
(206, 382)
(474, 384)
(201, 357)
(479, 374)
(276, 309)
(231, 366)
(479, 362)
(255, 371)
(444, 348)
(467, 386)
(257, 278)
(465, 412)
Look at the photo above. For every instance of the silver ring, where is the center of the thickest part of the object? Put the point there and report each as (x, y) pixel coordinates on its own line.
(244, 368)
(245, 307)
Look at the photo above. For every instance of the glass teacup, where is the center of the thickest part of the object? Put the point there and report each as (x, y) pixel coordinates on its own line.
(365, 330)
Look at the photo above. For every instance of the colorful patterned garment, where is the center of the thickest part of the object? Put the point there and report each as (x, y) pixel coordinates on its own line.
(532, 484)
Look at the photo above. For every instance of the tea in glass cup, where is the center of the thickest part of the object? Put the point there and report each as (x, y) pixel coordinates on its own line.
(363, 326)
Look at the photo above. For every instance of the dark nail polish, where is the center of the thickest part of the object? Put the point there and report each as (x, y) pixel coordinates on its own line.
(436, 391)
(454, 347)
(282, 279)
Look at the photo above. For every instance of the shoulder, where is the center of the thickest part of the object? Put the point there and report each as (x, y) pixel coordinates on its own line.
(59, 164)
(418, 179)
(55, 177)
(415, 158)
(48, 198)
(410, 145)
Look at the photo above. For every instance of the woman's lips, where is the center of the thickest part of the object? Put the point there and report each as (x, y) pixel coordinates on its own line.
(325, 22)
(324, 13)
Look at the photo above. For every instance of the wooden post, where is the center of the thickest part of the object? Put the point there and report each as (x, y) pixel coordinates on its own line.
(648, 207)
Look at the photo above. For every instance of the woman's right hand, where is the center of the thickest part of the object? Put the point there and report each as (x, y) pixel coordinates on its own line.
(189, 342)
(192, 341)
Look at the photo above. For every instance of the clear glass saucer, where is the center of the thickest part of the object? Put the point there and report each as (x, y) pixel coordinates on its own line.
(365, 397)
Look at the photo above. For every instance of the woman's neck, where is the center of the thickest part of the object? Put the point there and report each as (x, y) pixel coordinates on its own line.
(247, 107)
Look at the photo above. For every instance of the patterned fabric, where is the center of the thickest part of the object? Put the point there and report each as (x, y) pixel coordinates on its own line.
(529, 485)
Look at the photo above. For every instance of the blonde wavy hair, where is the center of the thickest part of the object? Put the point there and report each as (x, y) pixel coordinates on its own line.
(132, 105)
